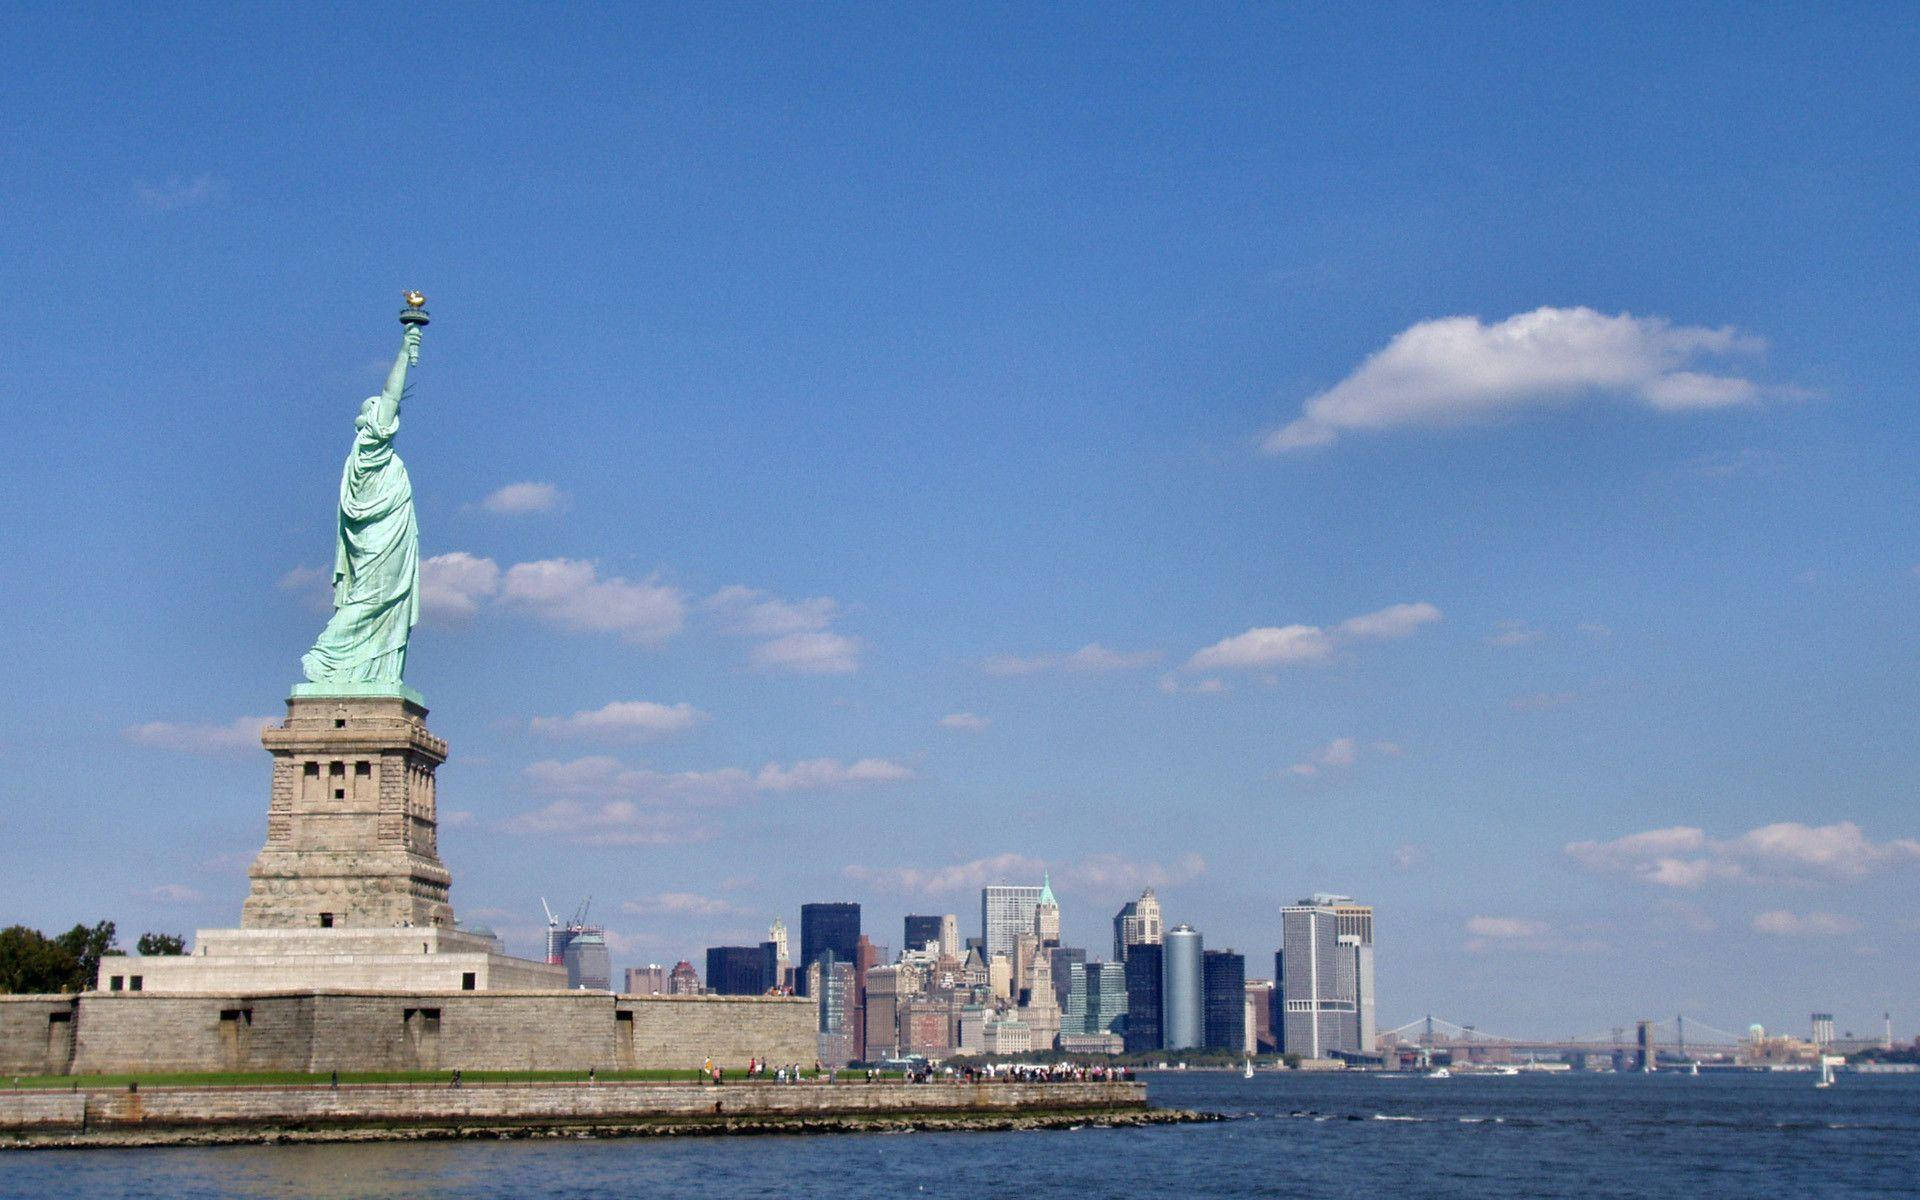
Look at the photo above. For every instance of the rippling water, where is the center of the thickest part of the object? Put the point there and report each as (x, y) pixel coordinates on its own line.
(1295, 1135)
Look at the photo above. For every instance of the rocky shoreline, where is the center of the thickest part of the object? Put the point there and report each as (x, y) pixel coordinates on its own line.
(662, 1126)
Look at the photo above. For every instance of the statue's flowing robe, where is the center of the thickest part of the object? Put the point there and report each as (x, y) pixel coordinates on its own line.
(376, 564)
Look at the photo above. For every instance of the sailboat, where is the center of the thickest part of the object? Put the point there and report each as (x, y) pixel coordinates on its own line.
(1248, 1073)
(1827, 1063)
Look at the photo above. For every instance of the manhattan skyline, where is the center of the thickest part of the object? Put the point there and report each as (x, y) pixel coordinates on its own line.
(1462, 460)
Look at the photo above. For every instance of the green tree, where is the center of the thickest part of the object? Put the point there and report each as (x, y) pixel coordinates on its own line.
(32, 962)
(88, 946)
(161, 943)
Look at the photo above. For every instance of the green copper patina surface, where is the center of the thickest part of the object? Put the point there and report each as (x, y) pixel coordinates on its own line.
(376, 563)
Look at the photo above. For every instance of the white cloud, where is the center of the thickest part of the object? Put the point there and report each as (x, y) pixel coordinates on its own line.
(452, 586)
(1103, 872)
(177, 193)
(1506, 927)
(1109, 872)
(599, 777)
(1340, 752)
(965, 876)
(1782, 923)
(1092, 657)
(1270, 646)
(1457, 370)
(174, 893)
(822, 653)
(614, 823)
(1393, 621)
(1172, 686)
(522, 499)
(1685, 857)
(314, 586)
(1839, 850)
(682, 904)
(800, 639)
(1513, 633)
(750, 613)
(570, 594)
(1296, 645)
(633, 719)
(602, 777)
(822, 774)
(1095, 657)
(1526, 935)
(241, 735)
(965, 722)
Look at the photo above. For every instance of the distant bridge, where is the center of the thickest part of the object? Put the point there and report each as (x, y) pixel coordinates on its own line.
(1680, 1035)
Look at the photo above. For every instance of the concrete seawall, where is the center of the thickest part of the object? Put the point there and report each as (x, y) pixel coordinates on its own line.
(198, 1115)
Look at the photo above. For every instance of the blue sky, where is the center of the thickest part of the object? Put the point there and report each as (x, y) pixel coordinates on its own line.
(1461, 458)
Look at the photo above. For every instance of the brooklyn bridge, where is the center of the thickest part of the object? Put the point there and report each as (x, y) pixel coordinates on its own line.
(1644, 1045)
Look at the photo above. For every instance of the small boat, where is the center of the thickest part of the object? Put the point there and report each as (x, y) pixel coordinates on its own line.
(1439, 1073)
(1248, 1073)
(1827, 1063)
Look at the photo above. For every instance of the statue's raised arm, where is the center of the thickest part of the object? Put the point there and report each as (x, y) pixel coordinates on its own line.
(390, 395)
(376, 567)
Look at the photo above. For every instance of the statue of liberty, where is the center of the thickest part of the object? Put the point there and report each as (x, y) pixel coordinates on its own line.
(376, 562)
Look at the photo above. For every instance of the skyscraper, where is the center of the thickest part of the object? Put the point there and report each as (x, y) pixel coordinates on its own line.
(1136, 924)
(831, 980)
(1143, 996)
(920, 931)
(887, 987)
(1096, 998)
(1046, 914)
(1182, 990)
(866, 956)
(824, 927)
(1006, 912)
(683, 980)
(1041, 1012)
(1260, 1036)
(1326, 977)
(1063, 960)
(950, 937)
(650, 980)
(1225, 981)
(588, 964)
(737, 970)
(770, 966)
(1277, 1000)
(782, 970)
(1354, 926)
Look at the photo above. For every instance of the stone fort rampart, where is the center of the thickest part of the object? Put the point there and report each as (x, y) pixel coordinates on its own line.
(108, 1033)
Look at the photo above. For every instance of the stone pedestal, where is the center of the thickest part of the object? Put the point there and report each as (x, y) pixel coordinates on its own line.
(351, 831)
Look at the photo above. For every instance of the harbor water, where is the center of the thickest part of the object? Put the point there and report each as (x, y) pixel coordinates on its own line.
(1292, 1134)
